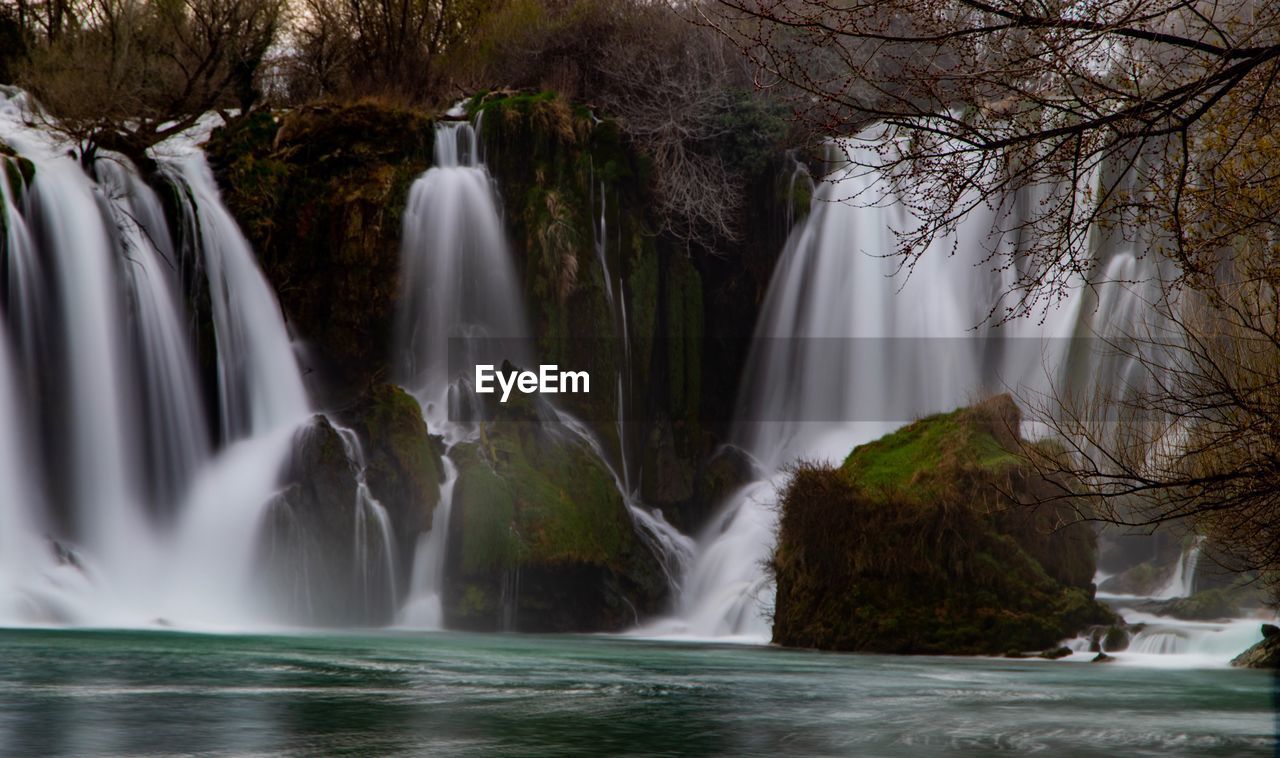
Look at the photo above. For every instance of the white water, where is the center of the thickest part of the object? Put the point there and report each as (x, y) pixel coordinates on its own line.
(1182, 581)
(460, 305)
(424, 607)
(150, 523)
(20, 540)
(258, 378)
(375, 559)
(849, 347)
(176, 434)
(461, 301)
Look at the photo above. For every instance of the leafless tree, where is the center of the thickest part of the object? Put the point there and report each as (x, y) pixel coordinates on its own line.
(133, 72)
(1149, 120)
(390, 48)
(983, 97)
(676, 89)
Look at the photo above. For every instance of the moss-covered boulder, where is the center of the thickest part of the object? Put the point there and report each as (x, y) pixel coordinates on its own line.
(540, 540)
(322, 556)
(916, 545)
(334, 552)
(320, 192)
(402, 464)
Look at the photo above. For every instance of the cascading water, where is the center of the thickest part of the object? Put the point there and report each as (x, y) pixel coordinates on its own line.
(461, 298)
(259, 382)
(460, 302)
(1182, 581)
(849, 346)
(375, 559)
(461, 305)
(176, 433)
(144, 520)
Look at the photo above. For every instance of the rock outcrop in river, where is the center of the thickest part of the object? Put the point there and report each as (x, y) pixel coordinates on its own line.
(916, 545)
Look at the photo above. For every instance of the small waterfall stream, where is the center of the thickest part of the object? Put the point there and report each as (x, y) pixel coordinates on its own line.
(461, 305)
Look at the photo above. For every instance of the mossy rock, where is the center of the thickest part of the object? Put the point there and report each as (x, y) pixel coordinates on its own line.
(909, 547)
(308, 551)
(18, 171)
(540, 539)
(320, 192)
(1144, 579)
(402, 466)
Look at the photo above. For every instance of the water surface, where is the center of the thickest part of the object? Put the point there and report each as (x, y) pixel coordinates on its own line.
(77, 692)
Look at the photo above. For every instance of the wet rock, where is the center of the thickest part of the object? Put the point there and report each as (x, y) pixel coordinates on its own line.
(1056, 653)
(913, 546)
(403, 467)
(540, 540)
(1265, 654)
(1143, 579)
(322, 557)
(1103, 658)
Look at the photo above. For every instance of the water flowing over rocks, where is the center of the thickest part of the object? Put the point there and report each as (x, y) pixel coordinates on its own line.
(540, 538)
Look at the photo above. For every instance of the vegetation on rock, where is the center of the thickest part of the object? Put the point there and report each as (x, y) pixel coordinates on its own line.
(402, 465)
(540, 539)
(319, 191)
(915, 545)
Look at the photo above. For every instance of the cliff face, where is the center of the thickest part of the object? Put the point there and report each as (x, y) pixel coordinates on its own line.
(916, 545)
(611, 294)
(319, 191)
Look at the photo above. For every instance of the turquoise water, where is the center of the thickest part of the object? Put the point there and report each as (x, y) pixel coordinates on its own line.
(78, 692)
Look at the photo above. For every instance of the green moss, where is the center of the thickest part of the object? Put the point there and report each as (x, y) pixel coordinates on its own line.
(320, 192)
(872, 556)
(401, 464)
(19, 172)
(488, 514)
(552, 497)
(907, 460)
(534, 507)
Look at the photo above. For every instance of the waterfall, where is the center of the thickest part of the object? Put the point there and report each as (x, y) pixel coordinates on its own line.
(1182, 581)
(424, 608)
(117, 508)
(850, 345)
(460, 305)
(259, 383)
(461, 301)
(20, 541)
(176, 433)
(263, 402)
